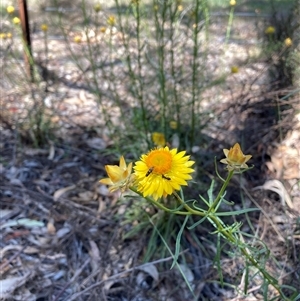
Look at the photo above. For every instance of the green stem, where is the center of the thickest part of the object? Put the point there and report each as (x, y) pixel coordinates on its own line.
(195, 72)
(230, 237)
(221, 192)
(187, 207)
(159, 205)
(229, 25)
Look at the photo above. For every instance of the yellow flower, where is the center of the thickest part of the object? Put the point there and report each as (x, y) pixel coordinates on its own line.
(111, 20)
(9, 35)
(102, 29)
(119, 177)
(97, 7)
(44, 27)
(234, 69)
(270, 30)
(173, 125)
(77, 39)
(288, 42)
(16, 20)
(3, 35)
(180, 8)
(235, 159)
(232, 2)
(162, 171)
(10, 9)
(158, 139)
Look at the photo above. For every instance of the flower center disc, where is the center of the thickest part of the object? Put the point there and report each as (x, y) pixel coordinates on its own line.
(160, 160)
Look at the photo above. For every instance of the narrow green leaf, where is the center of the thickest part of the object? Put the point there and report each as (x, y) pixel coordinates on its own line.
(238, 212)
(198, 223)
(178, 239)
(176, 263)
(218, 259)
(210, 192)
(246, 278)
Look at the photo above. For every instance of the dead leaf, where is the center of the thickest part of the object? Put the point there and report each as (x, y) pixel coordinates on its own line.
(35, 151)
(85, 196)
(9, 285)
(4, 213)
(186, 271)
(26, 222)
(25, 294)
(50, 227)
(95, 256)
(31, 250)
(51, 152)
(277, 186)
(148, 277)
(96, 143)
(58, 193)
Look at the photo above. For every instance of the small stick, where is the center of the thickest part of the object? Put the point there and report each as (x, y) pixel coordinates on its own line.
(26, 38)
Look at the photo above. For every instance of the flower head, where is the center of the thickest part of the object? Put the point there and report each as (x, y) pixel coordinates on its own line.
(16, 20)
(119, 177)
(10, 9)
(234, 69)
(162, 171)
(232, 2)
(3, 35)
(235, 159)
(77, 39)
(111, 20)
(270, 30)
(173, 125)
(288, 42)
(97, 7)
(135, 2)
(158, 139)
(44, 27)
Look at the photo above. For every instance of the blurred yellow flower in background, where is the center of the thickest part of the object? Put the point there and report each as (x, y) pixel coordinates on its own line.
(162, 171)
(180, 8)
(288, 42)
(77, 39)
(44, 27)
(235, 159)
(232, 2)
(102, 29)
(158, 139)
(97, 7)
(9, 35)
(135, 2)
(111, 20)
(3, 35)
(270, 30)
(10, 9)
(173, 125)
(234, 69)
(16, 20)
(119, 177)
